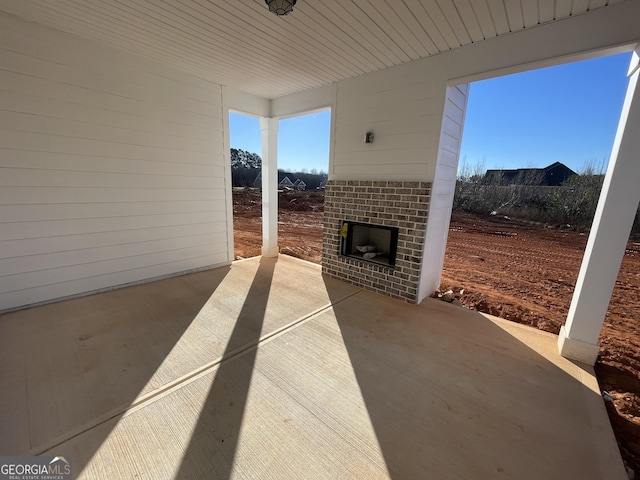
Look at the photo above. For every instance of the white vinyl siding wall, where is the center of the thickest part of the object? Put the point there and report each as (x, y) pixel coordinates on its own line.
(402, 106)
(444, 186)
(111, 168)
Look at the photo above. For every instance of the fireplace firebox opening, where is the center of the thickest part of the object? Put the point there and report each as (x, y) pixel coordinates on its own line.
(371, 243)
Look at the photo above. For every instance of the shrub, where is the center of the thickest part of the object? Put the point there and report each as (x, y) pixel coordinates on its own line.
(573, 203)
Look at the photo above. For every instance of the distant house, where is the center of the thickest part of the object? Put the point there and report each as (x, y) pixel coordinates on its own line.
(550, 176)
(285, 183)
(289, 180)
(257, 183)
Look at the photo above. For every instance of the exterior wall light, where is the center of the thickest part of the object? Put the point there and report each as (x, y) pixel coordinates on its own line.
(281, 7)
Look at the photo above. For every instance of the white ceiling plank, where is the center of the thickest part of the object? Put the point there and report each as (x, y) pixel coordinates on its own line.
(236, 41)
(267, 30)
(563, 9)
(407, 25)
(361, 23)
(112, 30)
(288, 30)
(483, 15)
(172, 54)
(433, 10)
(375, 34)
(244, 46)
(342, 20)
(425, 21)
(451, 13)
(392, 25)
(248, 69)
(174, 20)
(252, 65)
(146, 28)
(579, 6)
(350, 49)
(514, 15)
(225, 22)
(469, 19)
(546, 10)
(499, 16)
(530, 13)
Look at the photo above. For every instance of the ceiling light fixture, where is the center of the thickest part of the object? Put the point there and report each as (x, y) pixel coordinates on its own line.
(281, 7)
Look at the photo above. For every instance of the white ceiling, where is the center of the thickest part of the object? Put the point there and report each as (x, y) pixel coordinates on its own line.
(240, 44)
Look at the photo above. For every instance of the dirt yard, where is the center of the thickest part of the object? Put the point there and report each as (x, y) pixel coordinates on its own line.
(512, 269)
(299, 223)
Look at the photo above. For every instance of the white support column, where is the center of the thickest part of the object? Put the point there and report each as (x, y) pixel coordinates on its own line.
(269, 128)
(609, 233)
(228, 177)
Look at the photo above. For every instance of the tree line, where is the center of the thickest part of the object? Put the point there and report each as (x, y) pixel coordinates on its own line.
(246, 167)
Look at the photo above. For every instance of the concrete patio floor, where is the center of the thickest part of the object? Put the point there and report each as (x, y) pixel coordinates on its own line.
(267, 369)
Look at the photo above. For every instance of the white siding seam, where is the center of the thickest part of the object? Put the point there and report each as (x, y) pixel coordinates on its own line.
(112, 168)
(115, 287)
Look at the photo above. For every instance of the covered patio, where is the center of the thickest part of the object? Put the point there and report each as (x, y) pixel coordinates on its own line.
(269, 369)
(133, 344)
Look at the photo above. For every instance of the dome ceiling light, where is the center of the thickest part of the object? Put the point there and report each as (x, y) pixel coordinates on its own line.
(281, 7)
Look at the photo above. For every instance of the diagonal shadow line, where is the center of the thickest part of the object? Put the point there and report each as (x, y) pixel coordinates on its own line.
(214, 441)
(451, 394)
(105, 348)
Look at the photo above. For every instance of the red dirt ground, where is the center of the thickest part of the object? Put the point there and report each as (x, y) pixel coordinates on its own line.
(300, 216)
(513, 269)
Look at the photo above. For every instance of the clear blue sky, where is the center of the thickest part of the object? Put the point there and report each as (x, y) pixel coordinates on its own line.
(303, 142)
(567, 113)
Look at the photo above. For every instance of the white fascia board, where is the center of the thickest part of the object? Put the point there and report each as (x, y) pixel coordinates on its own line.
(604, 31)
(305, 102)
(246, 103)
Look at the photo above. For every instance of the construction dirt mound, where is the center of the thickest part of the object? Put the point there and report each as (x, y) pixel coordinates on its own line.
(517, 270)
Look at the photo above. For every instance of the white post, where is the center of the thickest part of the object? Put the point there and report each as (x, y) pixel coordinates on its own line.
(228, 177)
(609, 233)
(269, 128)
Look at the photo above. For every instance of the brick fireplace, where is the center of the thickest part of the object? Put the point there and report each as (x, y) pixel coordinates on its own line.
(396, 204)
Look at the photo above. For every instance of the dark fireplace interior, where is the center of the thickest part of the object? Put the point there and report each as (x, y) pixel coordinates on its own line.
(370, 243)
